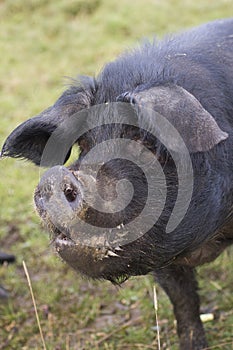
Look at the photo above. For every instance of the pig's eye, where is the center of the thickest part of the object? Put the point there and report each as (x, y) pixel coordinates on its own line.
(140, 152)
(144, 153)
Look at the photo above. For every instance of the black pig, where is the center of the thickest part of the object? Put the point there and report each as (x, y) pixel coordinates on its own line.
(185, 84)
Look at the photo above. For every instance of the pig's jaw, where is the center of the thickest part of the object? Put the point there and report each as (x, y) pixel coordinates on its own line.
(63, 241)
(95, 262)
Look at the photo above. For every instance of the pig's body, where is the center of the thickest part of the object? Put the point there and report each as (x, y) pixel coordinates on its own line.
(189, 80)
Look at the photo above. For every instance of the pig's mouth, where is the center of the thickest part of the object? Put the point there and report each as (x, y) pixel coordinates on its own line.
(62, 241)
(99, 262)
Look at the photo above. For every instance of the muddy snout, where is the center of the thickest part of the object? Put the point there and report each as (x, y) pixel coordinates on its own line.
(58, 196)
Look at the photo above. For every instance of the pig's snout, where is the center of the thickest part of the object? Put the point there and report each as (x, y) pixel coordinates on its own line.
(59, 193)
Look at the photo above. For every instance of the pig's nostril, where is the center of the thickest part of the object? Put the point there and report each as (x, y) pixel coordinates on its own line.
(70, 192)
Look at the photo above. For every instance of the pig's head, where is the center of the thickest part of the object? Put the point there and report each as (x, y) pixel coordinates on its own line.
(108, 212)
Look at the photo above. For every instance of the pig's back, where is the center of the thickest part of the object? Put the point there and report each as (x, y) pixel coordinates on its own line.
(200, 60)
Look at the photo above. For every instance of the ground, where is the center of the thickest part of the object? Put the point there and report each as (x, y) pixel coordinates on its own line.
(41, 43)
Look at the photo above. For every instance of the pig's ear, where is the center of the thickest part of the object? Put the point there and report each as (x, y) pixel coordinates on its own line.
(28, 140)
(195, 125)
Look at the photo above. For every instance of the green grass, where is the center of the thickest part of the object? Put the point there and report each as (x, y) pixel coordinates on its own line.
(41, 43)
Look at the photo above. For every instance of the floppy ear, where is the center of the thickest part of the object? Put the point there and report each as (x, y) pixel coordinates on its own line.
(195, 125)
(29, 139)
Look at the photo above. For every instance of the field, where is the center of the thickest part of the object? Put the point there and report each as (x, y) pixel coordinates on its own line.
(42, 43)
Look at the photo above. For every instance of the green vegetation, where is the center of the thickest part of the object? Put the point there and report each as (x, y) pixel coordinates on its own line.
(42, 42)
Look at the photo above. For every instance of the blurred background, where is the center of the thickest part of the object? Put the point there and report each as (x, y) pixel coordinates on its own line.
(41, 43)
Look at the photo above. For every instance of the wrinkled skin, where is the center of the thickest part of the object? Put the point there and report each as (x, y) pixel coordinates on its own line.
(188, 80)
